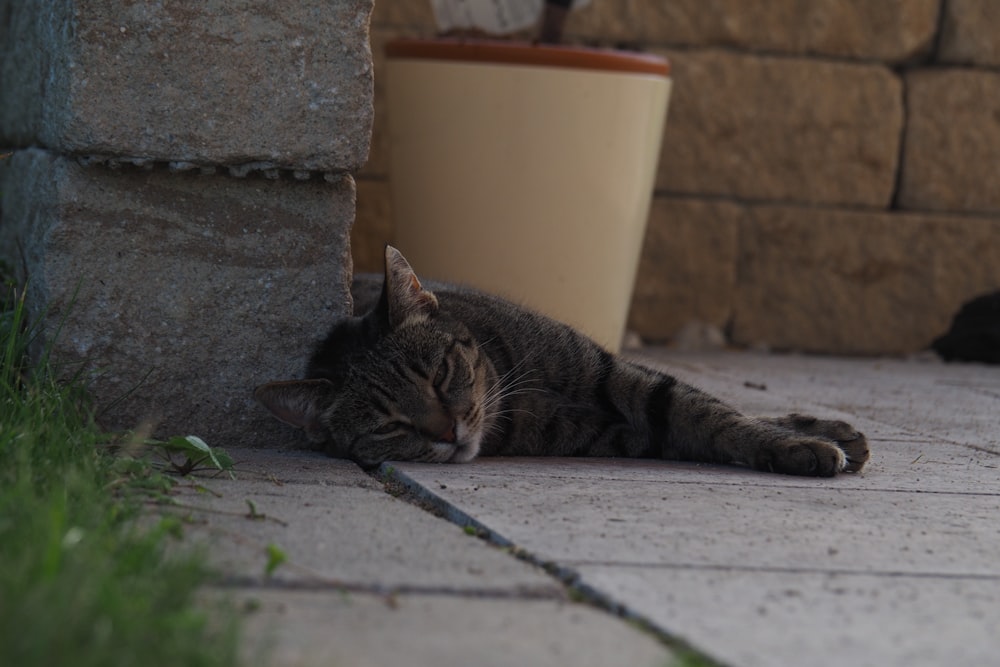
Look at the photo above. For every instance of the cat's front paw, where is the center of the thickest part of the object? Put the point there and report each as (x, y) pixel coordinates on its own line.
(799, 455)
(851, 441)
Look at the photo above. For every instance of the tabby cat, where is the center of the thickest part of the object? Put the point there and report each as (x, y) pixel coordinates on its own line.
(452, 374)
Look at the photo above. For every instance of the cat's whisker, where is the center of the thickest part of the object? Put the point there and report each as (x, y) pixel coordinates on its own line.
(510, 411)
(505, 387)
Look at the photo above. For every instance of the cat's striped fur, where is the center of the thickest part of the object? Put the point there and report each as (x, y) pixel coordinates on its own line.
(453, 374)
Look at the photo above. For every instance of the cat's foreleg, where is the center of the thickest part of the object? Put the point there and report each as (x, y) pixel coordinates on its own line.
(697, 426)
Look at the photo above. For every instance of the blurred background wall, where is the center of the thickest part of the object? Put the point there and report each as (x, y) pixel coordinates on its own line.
(829, 173)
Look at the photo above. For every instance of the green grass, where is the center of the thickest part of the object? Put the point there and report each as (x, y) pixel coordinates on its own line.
(82, 581)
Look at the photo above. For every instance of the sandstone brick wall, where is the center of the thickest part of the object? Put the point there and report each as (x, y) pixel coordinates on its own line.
(179, 196)
(827, 178)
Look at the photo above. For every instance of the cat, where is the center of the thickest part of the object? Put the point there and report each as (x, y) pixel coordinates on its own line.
(975, 332)
(451, 374)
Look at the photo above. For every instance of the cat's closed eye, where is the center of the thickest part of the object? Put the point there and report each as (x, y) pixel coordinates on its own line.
(387, 428)
(442, 375)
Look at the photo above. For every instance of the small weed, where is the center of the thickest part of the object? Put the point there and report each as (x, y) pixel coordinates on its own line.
(476, 531)
(253, 513)
(690, 658)
(275, 557)
(189, 453)
(179, 455)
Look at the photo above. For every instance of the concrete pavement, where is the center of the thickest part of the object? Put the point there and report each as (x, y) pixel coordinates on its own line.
(899, 565)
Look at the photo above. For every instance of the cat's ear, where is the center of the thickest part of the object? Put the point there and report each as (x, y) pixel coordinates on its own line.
(403, 297)
(298, 403)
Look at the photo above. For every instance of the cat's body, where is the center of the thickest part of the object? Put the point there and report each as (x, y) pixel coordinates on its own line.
(453, 374)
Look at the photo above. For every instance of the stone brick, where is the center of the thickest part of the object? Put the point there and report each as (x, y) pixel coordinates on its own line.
(887, 30)
(854, 282)
(234, 82)
(688, 268)
(952, 156)
(185, 289)
(373, 227)
(969, 32)
(781, 129)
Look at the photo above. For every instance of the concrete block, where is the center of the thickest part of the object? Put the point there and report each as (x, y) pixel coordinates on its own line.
(891, 30)
(229, 82)
(968, 33)
(855, 282)
(781, 129)
(185, 289)
(952, 156)
(687, 272)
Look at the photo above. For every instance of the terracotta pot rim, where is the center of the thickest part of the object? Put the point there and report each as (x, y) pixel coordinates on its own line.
(523, 53)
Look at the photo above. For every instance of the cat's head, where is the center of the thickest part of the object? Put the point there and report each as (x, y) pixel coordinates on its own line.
(403, 382)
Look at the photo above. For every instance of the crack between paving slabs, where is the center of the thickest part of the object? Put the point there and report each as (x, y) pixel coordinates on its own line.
(382, 590)
(404, 487)
(764, 569)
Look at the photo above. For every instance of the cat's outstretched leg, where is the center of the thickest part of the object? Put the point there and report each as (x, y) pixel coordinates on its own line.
(700, 427)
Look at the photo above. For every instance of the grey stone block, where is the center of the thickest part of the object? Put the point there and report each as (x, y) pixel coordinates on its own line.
(229, 82)
(185, 289)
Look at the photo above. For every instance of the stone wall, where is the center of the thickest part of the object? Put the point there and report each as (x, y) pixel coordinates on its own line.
(827, 175)
(179, 194)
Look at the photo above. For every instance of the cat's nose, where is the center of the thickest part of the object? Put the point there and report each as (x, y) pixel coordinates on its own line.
(438, 427)
(449, 435)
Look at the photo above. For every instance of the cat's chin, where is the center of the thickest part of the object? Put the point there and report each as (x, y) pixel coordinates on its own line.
(462, 451)
(463, 454)
(466, 445)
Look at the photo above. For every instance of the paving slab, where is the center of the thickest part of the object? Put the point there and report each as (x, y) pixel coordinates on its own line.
(666, 522)
(339, 528)
(751, 618)
(304, 628)
(373, 580)
(894, 566)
